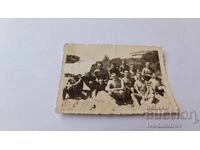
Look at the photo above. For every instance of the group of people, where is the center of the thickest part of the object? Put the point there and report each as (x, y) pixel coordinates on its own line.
(125, 84)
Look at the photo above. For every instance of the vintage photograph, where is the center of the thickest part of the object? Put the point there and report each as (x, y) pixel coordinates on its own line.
(114, 79)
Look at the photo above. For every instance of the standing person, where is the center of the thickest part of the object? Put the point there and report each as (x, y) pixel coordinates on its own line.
(141, 88)
(113, 69)
(156, 85)
(115, 88)
(146, 72)
(124, 67)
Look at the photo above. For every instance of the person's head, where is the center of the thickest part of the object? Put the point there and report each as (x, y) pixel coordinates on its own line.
(123, 62)
(147, 64)
(99, 65)
(113, 76)
(153, 76)
(132, 67)
(76, 78)
(126, 73)
(138, 71)
(113, 65)
(138, 76)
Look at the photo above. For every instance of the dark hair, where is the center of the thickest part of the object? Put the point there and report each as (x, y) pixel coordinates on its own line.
(76, 78)
(113, 64)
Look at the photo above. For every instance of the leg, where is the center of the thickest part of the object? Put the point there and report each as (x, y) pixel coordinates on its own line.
(115, 95)
(160, 90)
(138, 98)
(64, 93)
(128, 98)
(122, 96)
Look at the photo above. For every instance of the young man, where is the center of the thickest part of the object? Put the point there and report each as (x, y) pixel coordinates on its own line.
(115, 88)
(146, 72)
(124, 67)
(132, 71)
(103, 72)
(141, 88)
(129, 86)
(113, 69)
(90, 82)
(156, 86)
(100, 82)
(74, 88)
(128, 80)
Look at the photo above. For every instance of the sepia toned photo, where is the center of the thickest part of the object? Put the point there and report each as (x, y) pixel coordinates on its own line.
(114, 79)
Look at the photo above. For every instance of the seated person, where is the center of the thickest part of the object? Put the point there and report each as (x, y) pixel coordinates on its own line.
(156, 86)
(74, 88)
(129, 86)
(115, 88)
(103, 72)
(141, 88)
(146, 72)
(100, 83)
(90, 83)
(124, 67)
(89, 80)
(128, 80)
(132, 71)
(100, 86)
(113, 69)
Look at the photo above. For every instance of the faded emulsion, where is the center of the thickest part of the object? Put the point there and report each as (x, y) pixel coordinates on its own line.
(117, 80)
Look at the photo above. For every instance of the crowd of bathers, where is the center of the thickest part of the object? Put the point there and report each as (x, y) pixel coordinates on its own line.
(125, 84)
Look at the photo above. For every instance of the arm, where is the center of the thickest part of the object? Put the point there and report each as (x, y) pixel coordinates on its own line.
(147, 87)
(143, 71)
(107, 76)
(149, 82)
(122, 84)
(109, 73)
(132, 84)
(69, 84)
(108, 87)
(120, 68)
(78, 81)
(136, 88)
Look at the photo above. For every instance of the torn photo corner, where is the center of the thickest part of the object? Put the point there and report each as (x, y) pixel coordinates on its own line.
(114, 79)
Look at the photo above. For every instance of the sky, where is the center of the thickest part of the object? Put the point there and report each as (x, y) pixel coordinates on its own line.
(89, 55)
